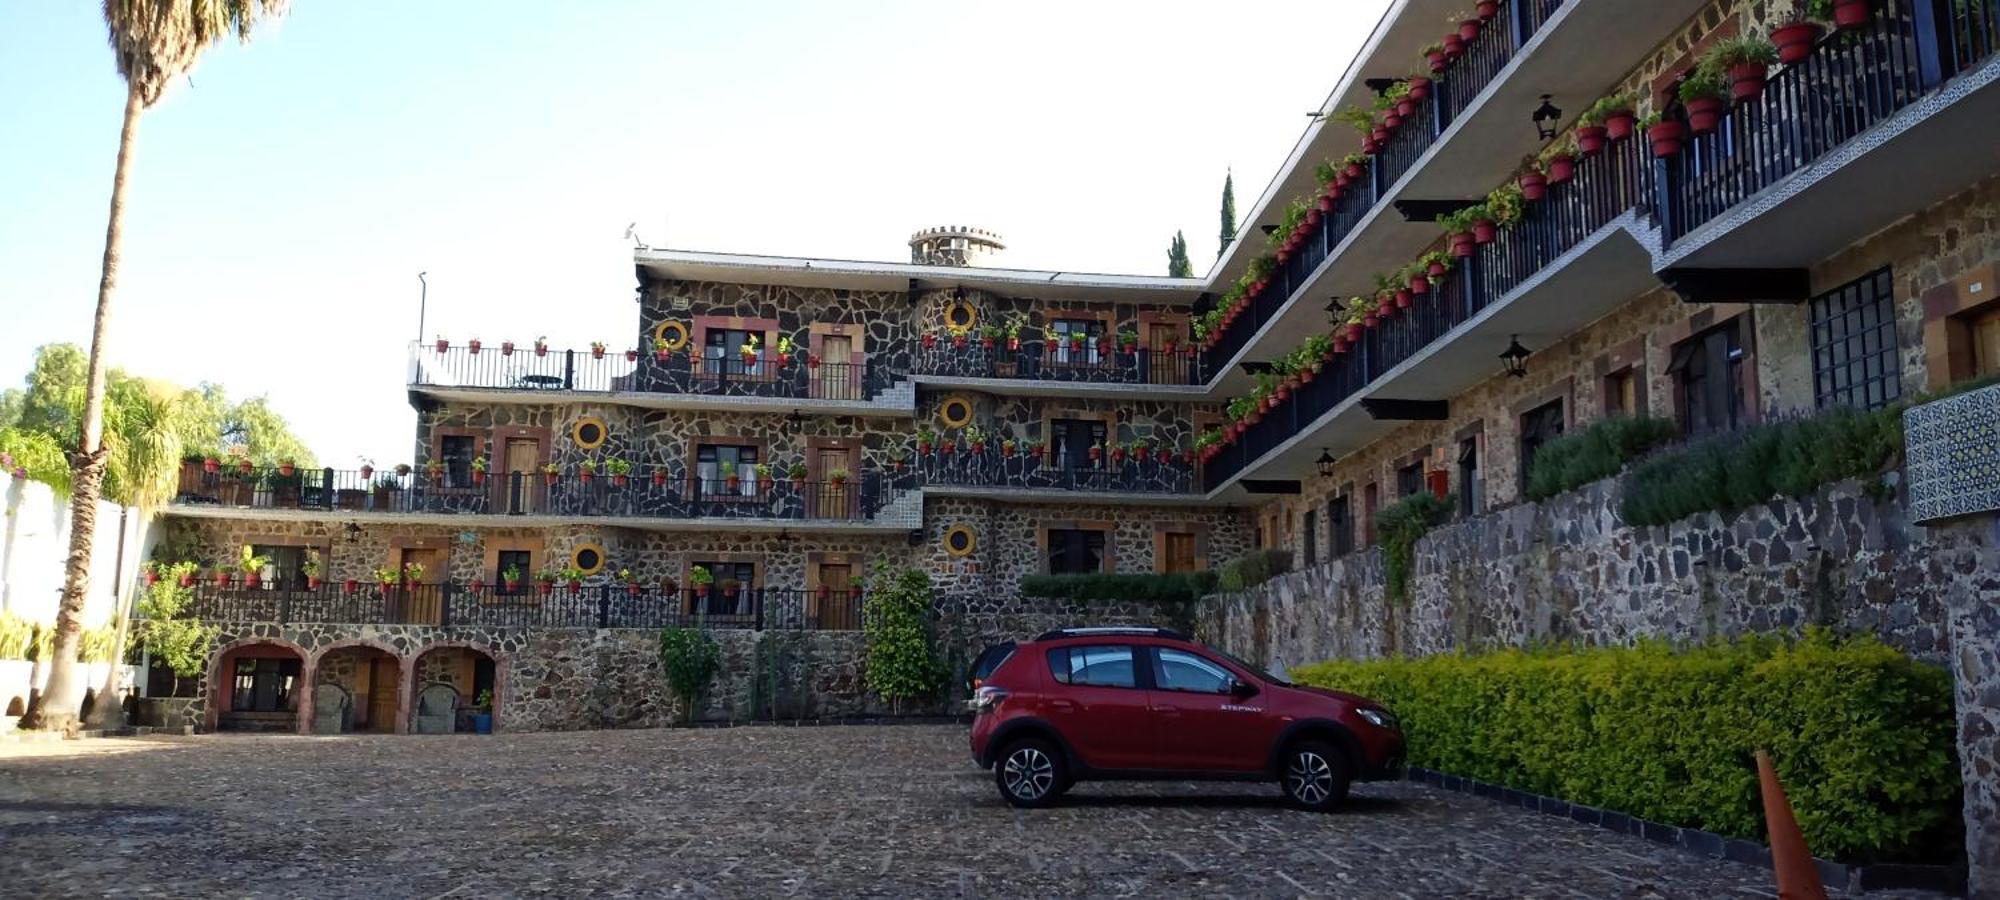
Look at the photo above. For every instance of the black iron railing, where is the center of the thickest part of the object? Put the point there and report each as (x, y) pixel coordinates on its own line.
(662, 493)
(1853, 80)
(528, 605)
(767, 374)
(1161, 472)
(1452, 91)
(1055, 360)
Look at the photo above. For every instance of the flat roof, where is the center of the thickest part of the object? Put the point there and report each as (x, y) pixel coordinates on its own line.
(794, 271)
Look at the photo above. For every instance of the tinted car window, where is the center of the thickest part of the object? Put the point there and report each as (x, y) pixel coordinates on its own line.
(1179, 670)
(990, 659)
(1098, 666)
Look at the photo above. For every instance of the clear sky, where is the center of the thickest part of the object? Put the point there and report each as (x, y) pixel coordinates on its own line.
(284, 199)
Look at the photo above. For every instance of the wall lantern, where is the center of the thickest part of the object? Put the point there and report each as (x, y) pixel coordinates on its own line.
(1324, 464)
(1547, 116)
(1269, 229)
(353, 532)
(1515, 357)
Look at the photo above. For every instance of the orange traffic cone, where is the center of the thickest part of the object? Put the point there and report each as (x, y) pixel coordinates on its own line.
(1798, 879)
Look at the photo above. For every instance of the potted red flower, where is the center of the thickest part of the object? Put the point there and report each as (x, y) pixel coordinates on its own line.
(541, 346)
(930, 339)
(1746, 60)
(621, 471)
(1702, 93)
(661, 350)
(1795, 35)
(1534, 185)
(551, 474)
(211, 465)
(506, 348)
(473, 345)
(478, 470)
(1850, 14)
(1666, 135)
(442, 345)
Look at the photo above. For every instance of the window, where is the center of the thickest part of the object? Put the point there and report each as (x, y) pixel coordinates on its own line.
(1102, 666)
(740, 575)
(286, 569)
(1538, 427)
(722, 351)
(1469, 487)
(715, 463)
(1340, 521)
(1621, 393)
(1179, 670)
(1061, 338)
(1310, 528)
(1854, 344)
(522, 562)
(1371, 499)
(263, 685)
(1071, 439)
(456, 451)
(1410, 479)
(1075, 551)
(1708, 374)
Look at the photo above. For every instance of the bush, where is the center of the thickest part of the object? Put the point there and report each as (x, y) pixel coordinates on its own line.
(1595, 453)
(1862, 736)
(177, 640)
(1252, 569)
(690, 659)
(1734, 471)
(1399, 526)
(902, 662)
(1163, 589)
(16, 635)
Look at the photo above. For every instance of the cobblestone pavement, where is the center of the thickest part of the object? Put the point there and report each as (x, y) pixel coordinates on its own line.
(763, 811)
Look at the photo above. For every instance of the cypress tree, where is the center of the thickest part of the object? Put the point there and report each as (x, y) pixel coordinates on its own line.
(1178, 264)
(1228, 212)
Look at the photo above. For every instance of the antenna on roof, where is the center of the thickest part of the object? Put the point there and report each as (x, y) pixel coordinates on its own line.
(632, 234)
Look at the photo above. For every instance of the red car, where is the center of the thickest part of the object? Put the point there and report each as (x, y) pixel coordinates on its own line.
(1080, 704)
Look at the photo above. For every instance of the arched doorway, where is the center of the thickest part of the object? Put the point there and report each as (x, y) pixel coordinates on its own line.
(452, 687)
(357, 688)
(258, 687)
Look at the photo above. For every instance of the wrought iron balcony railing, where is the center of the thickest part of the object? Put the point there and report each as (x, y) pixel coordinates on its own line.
(1090, 362)
(767, 374)
(1119, 473)
(526, 605)
(455, 489)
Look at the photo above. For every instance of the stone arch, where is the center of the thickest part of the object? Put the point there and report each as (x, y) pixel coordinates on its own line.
(318, 666)
(220, 682)
(465, 683)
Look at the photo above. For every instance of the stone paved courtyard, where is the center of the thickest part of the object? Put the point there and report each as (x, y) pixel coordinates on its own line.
(763, 811)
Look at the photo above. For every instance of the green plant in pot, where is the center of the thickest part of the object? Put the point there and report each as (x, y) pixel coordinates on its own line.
(482, 712)
(1705, 93)
(1744, 61)
(1796, 28)
(700, 579)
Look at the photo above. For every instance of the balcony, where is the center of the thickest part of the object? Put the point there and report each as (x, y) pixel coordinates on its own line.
(659, 380)
(527, 605)
(1059, 368)
(1120, 476)
(661, 499)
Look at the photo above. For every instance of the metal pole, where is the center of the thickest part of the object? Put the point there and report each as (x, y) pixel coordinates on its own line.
(423, 300)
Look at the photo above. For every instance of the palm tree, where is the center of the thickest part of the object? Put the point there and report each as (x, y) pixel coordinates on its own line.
(143, 430)
(154, 42)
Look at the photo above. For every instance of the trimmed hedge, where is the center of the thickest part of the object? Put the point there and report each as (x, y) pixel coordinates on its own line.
(1594, 453)
(1252, 569)
(1139, 588)
(1862, 735)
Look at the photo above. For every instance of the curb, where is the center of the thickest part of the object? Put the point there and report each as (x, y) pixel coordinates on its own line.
(1852, 877)
(50, 737)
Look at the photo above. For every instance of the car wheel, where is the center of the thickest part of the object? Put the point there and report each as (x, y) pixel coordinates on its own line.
(1030, 774)
(1315, 776)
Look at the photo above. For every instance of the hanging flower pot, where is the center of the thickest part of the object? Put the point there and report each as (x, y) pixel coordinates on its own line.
(1312, 218)
(1704, 114)
(1454, 46)
(1420, 88)
(313, 583)
(659, 477)
(812, 360)
(1486, 9)
(211, 465)
(633, 589)
(985, 343)
(541, 349)
(1036, 451)
(663, 355)
(1380, 134)
(1483, 231)
(1393, 120)
(478, 477)
(1013, 344)
(1534, 186)
(958, 341)
(1435, 271)
(1746, 80)
(784, 360)
(1666, 138)
(923, 447)
(1469, 29)
(149, 576)
(1420, 284)
(1370, 146)
(253, 580)
(930, 340)
(1140, 453)
(1795, 41)
(351, 585)
(631, 356)
(1462, 244)
(546, 587)
(473, 345)
(1618, 124)
(596, 351)
(187, 581)
(506, 348)
(1096, 453)
(586, 476)
(513, 585)
(1439, 61)
(1385, 309)
(442, 346)
(1406, 107)
(620, 480)
(949, 448)
(575, 586)
(1850, 14)
(551, 478)
(1403, 298)
(1368, 319)
(733, 483)
(1324, 205)
(1590, 140)
(1562, 167)
(1117, 455)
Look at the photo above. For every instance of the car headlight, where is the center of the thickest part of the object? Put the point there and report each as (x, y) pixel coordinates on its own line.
(1380, 718)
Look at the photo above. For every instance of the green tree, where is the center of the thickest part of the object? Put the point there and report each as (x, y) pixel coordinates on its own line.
(1228, 213)
(154, 42)
(1178, 265)
(902, 662)
(690, 660)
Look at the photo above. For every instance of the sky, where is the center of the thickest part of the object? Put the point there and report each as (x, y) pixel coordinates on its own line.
(285, 197)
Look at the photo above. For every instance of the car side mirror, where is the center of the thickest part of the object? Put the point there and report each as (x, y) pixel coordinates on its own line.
(1241, 689)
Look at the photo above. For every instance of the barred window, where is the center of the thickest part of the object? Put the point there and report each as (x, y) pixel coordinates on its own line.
(1854, 344)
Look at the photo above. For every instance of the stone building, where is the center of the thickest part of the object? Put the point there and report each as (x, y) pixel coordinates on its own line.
(1826, 235)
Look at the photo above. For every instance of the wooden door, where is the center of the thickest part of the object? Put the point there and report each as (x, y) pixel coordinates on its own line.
(838, 610)
(839, 375)
(1180, 553)
(826, 500)
(1986, 344)
(523, 482)
(420, 602)
(1164, 363)
(382, 680)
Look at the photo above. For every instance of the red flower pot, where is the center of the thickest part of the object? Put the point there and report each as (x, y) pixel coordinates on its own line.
(930, 340)
(586, 477)
(1370, 145)
(1435, 271)
(442, 346)
(597, 353)
(631, 356)
(978, 447)
(1486, 9)
(663, 355)
(506, 348)
(1324, 205)
(213, 465)
(312, 584)
(733, 483)
(1007, 450)
(351, 585)
(187, 581)
(1562, 167)
(633, 589)
(576, 587)
(1850, 13)
(1534, 186)
(1393, 120)
(784, 360)
(1420, 88)
(1795, 41)
(659, 477)
(1420, 284)
(986, 343)
(1439, 62)
(513, 587)
(1666, 138)
(1746, 80)
(1454, 46)
(1704, 114)
(547, 588)
(149, 577)
(949, 448)
(1013, 343)
(1096, 453)
(1312, 218)
(1117, 456)
(367, 472)
(1369, 320)
(473, 346)
(620, 480)
(222, 579)
(958, 341)
(551, 478)
(541, 349)
(1405, 107)
(1403, 299)
(1140, 454)
(1386, 309)
(243, 467)
(1483, 231)
(1380, 134)
(478, 477)
(253, 581)
(1461, 244)
(1469, 29)
(1590, 140)
(1618, 125)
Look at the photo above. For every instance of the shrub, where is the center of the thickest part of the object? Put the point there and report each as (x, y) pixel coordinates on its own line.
(1862, 736)
(1165, 589)
(16, 634)
(1597, 452)
(179, 641)
(902, 662)
(1252, 569)
(690, 660)
(1399, 526)
(1734, 471)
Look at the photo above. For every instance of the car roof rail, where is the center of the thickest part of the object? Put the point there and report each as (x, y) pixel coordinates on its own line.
(1100, 630)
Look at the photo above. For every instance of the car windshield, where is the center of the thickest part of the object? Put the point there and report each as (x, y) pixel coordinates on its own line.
(1253, 669)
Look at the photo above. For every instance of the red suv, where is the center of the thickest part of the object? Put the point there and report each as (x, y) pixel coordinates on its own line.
(1081, 704)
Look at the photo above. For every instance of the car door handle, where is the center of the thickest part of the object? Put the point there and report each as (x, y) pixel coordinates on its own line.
(1169, 711)
(1061, 704)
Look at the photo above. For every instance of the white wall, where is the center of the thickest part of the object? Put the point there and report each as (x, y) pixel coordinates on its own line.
(34, 541)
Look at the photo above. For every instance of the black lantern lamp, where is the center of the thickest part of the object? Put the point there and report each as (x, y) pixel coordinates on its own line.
(1546, 117)
(1515, 357)
(1269, 229)
(353, 532)
(1324, 464)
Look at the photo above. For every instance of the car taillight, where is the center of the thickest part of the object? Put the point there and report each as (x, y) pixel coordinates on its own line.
(986, 698)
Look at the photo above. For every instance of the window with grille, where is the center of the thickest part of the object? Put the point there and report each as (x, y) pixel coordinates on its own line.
(1854, 344)
(715, 464)
(1469, 486)
(1708, 373)
(1075, 551)
(1340, 521)
(1410, 479)
(456, 451)
(1311, 528)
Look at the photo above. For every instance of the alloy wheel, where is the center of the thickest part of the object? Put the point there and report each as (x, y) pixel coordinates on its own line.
(1029, 773)
(1309, 779)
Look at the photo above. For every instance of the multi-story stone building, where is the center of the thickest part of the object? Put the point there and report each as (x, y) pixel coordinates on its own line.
(1824, 233)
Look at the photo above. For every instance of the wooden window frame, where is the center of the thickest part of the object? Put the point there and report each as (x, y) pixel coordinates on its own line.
(693, 464)
(1108, 564)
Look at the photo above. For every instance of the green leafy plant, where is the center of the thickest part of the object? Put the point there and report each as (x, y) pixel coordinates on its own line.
(690, 660)
(1357, 118)
(700, 576)
(1398, 527)
(1252, 569)
(1506, 204)
(165, 629)
(1791, 458)
(901, 663)
(1704, 83)
(1596, 452)
(1460, 221)
(1606, 107)
(617, 466)
(1862, 735)
(251, 563)
(17, 635)
(1739, 50)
